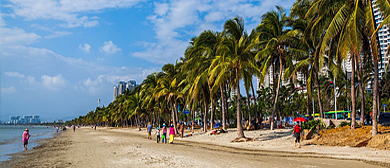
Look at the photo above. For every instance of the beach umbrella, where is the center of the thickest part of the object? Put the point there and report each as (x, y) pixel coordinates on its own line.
(299, 119)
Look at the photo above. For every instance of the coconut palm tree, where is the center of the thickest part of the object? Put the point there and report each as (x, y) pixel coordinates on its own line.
(276, 47)
(168, 89)
(345, 23)
(235, 55)
(199, 57)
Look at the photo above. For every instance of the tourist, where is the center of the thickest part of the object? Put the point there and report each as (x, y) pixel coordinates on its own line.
(182, 130)
(164, 135)
(149, 131)
(297, 134)
(26, 136)
(74, 128)
(171, 133)
(158, 134)
(95, 126)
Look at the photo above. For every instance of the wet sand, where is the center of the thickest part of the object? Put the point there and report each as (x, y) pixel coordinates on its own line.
(130, 148)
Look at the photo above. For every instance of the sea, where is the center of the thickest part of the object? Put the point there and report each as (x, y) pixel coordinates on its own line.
(11, 138)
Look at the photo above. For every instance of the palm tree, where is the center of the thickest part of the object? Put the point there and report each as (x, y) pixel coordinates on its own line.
(345, 23)
(168, 89)
(275, 47)
(234, 57)
(199, 58)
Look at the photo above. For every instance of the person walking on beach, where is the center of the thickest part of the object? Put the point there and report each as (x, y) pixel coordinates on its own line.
(95, 127)
(74, 128)
(25, 138)
(158, 134)
(182, 130)
(297, 134)
(149, 131)
(171, 133)
(164, 135)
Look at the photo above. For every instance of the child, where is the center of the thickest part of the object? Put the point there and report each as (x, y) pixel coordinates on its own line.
(158, 134)
(164, 135)
(171, 133)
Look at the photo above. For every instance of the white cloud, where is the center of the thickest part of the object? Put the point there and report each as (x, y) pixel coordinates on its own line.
(58, 34)
(70, 12)
(8, 90)
(14, 74)
(40, 27)
(53, 82)
(110, 48)
(177, 21)
(31, 80)
(85, 47)
(2, 22)
(16, 36)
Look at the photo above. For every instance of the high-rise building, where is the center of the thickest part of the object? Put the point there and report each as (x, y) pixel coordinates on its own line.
(131, 84)
(115, 92)
(384, 39)
(123, 86)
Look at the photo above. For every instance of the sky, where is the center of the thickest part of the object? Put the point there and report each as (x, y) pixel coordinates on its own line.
(58, 57)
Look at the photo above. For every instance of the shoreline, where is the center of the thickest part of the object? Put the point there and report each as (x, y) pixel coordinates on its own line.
(114, 141)
(12, 145)
(17, 156)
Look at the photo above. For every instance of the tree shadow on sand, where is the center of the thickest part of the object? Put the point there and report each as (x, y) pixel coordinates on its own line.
(272, 136)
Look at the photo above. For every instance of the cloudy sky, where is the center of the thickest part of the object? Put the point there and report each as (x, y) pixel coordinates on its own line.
(58, 57)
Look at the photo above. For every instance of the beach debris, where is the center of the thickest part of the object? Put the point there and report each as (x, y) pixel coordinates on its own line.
(243, 140)
(307, 134)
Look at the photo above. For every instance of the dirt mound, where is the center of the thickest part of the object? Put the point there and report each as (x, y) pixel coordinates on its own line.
(358, 137)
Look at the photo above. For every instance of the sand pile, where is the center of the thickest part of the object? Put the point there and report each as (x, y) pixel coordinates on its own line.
(358, 137)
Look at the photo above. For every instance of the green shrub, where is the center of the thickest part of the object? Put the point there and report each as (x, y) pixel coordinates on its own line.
(330, 127)
(344, 123)
(313, 125)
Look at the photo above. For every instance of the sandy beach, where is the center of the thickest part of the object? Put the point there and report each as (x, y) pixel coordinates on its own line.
(128, 147)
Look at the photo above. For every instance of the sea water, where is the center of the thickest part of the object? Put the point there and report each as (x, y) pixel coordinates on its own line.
(11, 138)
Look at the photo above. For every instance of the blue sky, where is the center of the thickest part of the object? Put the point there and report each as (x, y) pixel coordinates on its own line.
(58, 57)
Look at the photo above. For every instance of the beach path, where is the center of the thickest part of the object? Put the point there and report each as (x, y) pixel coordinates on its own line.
(107, 148)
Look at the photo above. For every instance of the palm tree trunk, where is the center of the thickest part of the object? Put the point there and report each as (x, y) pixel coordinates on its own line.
(212, 114)
(176, 115)
(353, 95)
(276, 94)
(309, 105)
(226, 105)
(240, 131)
(375, 97)
(173, 116)
(255, 100)
(362, 106)
(223, 107)
(212, 105)
(249, 106)
(206, 109)
(319, 95)
(138, 120)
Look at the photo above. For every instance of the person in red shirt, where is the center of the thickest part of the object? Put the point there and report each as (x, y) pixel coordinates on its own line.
(297, 134)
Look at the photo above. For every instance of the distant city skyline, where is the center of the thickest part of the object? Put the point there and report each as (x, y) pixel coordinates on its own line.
(26, 119)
